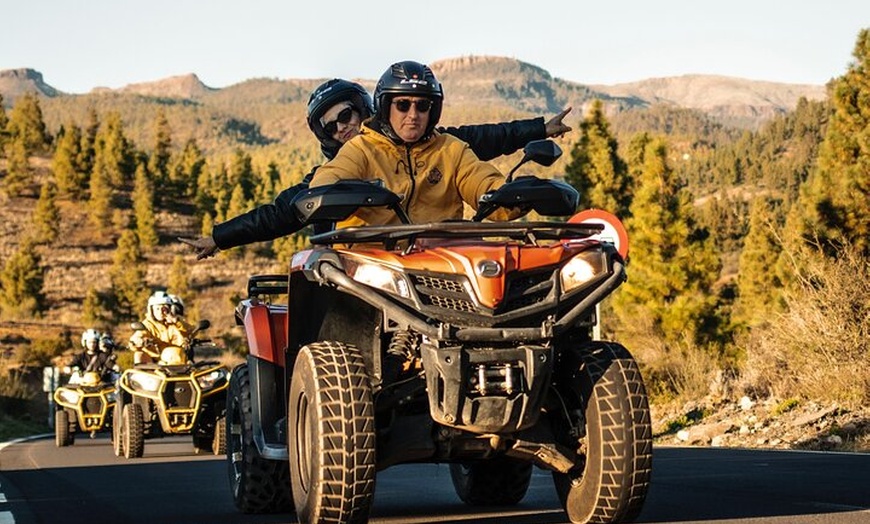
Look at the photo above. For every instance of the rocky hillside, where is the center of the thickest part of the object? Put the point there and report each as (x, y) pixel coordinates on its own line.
(476, 86)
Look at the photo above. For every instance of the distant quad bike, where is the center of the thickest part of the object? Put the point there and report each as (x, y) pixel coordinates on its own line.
(85, 406)
(171, 397)
(461, 342)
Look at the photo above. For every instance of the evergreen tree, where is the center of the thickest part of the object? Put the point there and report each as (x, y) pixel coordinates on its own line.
(94, 311)
(4, 121)
(46, 216)
(66, 163)
(26, 125)
(113, 153)
(179, 278)
(21, 284)
(101, 193)
(595, 170)
(88, 145)
(143, 208)
(835, 202)
(128, 277)
(158, 163)
(19, 174)
(186, 172)
(241, 174)
(673, 267)
(759, 283)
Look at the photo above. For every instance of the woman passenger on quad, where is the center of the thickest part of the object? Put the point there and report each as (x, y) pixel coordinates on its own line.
(336, 110)
(164, 327)
(435, 172)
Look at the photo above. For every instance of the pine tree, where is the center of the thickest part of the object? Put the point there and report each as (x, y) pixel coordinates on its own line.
(27, 126)
(128, 277)
(46, 215)
(143, 208)
(179, 278)
(595, 170)
(19, 174)
(94, 309)
(158, 163)
(101, 194)
(186, 171)
(4, 121)
(241, 174)
(113, 153)
(21, 284)
(66, 163)
(88, 145)
(759, 283)
(834, 206)
(673, 267)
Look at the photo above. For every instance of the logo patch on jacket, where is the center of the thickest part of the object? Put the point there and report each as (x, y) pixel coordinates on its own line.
(434, 176)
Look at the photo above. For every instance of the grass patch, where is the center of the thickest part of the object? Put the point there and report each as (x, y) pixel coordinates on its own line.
(17, 427)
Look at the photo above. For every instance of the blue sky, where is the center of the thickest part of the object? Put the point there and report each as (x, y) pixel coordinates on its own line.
(79, 45)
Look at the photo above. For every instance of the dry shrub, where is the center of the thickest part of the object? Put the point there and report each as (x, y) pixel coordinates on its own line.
(681, 371)
(818, 348)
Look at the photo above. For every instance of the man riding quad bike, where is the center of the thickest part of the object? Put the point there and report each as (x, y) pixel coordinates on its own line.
(457, 342)
(172, 395)
(87, 401)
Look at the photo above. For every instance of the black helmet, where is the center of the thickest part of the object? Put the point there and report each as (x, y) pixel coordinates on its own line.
(408, 78)
(327, 95)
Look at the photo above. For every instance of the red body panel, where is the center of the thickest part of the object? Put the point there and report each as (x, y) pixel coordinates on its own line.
(266, 329)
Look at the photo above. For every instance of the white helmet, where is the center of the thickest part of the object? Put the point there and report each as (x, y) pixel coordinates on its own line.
(88, 337)
(156, 302)
(177, 306)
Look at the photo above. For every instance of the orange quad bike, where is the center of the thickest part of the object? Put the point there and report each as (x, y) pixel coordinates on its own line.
(461, 342)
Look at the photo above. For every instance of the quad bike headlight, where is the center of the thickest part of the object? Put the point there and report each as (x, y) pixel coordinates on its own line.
(582, 269)
(69, 396)
(378, 276)
(144, 382)
(208, 380)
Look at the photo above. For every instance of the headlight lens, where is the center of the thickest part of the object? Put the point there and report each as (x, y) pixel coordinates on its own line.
(69, 396)
(378, 276)
(582, 269)
(144, 382)
(208, 380)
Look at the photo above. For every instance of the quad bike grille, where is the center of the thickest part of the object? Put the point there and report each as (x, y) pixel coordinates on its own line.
(443, 293)
(179, 394)
(92, 406)
(450, 293)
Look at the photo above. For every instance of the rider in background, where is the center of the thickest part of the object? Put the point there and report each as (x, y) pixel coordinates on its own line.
(164, 327)
(92, 359)
(336, 110)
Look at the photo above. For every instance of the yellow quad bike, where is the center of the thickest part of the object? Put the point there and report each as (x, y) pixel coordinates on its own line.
(173, 396)
(85, 406)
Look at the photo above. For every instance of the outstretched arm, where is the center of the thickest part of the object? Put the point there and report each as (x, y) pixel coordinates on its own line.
(489, 141)
(266, 222)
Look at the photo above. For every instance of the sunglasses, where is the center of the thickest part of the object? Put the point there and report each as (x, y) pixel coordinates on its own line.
(404, 105)
(343, 117)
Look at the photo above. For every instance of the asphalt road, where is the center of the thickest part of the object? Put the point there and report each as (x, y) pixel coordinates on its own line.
(87, 484)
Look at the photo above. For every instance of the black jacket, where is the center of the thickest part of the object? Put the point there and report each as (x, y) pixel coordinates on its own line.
(271, 221)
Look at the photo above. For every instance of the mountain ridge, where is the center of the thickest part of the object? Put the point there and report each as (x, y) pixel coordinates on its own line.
(495, 86)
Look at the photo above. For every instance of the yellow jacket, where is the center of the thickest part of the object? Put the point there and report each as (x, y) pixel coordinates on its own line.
(434, 178)
(167, 335)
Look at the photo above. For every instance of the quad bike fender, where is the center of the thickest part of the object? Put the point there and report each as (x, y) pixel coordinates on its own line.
(265, 328)
(268, 408)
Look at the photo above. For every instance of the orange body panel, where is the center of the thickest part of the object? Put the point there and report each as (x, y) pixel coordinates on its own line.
(462, 259)
(266, 329)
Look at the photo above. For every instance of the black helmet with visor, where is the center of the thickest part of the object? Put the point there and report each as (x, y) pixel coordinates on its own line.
(325, 96)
